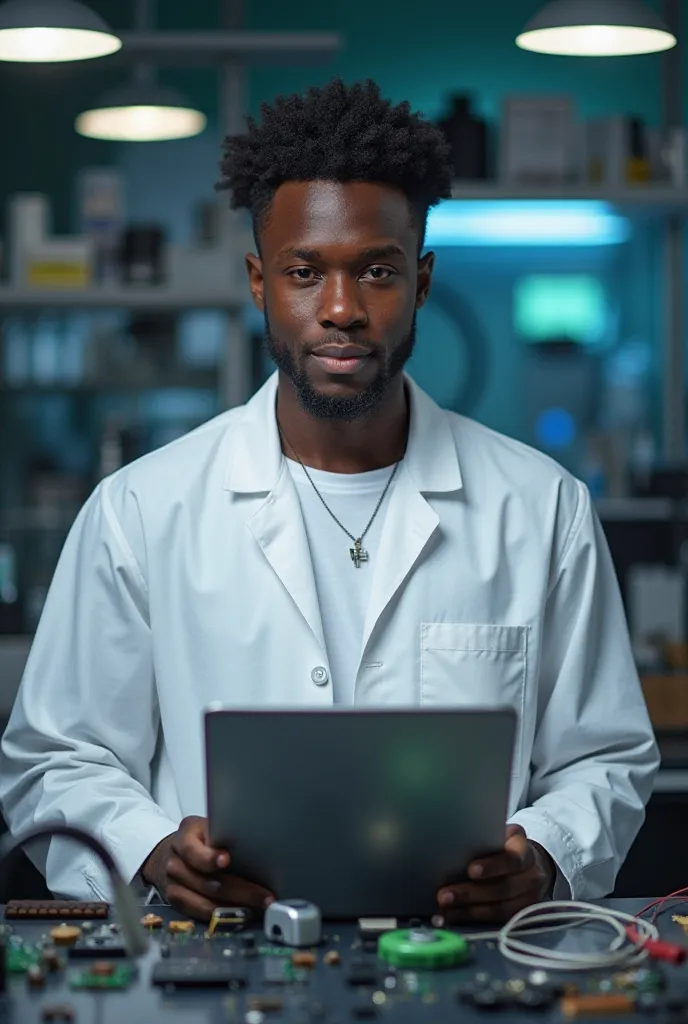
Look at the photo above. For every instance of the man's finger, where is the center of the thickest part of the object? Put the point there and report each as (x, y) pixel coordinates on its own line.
(488, 913)
(223, 890)
(191, 844)
(234, 891)
(499, 890)
(516, 856)
(190, 903)
(181, 874)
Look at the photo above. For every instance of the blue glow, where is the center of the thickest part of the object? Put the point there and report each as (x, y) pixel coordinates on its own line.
(525, 222)
(555, 428)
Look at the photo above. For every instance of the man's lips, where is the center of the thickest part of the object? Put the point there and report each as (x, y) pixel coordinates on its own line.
(341, 358)
(342, 351)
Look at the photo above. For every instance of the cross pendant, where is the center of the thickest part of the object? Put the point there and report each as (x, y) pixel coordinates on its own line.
(358, 554)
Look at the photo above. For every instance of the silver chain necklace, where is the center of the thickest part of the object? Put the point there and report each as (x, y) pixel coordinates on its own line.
(358, 552)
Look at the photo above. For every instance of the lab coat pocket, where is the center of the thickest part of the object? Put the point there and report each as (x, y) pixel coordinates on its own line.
(475, 665)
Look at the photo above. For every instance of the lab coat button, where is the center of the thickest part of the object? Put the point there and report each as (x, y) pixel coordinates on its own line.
(319, 675)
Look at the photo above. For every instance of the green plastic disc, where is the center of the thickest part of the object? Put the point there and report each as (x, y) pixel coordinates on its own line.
(422, 947)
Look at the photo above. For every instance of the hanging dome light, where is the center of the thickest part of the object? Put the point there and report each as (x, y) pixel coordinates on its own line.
(142, 111)
(596, 28)
(50, 31)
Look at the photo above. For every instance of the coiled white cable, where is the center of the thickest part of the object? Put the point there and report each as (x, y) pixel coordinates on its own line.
(556, 915)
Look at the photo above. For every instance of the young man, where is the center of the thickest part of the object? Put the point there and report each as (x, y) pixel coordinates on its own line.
(338, 539)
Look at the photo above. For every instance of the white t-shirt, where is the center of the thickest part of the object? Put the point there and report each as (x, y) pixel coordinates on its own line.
(343, 590)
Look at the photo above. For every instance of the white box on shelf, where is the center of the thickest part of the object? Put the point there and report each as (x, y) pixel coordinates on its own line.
(537, 143)
(29, 226)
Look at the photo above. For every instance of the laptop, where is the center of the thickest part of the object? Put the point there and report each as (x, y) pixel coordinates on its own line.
(363, 812)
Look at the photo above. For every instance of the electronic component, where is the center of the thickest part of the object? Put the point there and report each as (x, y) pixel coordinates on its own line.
(62, 1013)
(596, 1005)
(228, 919)
(423, 947)
(265, 1004)
(65, 934)
(57, 910)
(535, 998)
(35, 976)
(51, 959)
(293, 923)
(362, 975)
(681, 920)
(306, 960)
(97, 946)
(373, 927)
(103, 976)
(274, 972)
(152, 921)
(20, 956)
(332, 958)
(181, 927)
(193, 973)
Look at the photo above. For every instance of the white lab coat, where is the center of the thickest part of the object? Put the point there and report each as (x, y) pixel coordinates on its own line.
(186, 580)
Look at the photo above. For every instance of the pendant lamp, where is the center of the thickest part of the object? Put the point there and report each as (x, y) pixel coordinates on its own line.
(50, 31)
(596, 28)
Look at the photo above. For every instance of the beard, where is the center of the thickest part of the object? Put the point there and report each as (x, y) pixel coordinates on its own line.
(339, 407)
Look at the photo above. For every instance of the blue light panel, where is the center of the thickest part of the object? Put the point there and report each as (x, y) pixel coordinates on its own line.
(461, 222)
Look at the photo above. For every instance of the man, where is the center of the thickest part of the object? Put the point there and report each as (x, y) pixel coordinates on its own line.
(338, 539)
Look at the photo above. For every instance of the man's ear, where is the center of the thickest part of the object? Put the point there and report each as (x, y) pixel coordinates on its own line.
(425, 267)
(254, 269)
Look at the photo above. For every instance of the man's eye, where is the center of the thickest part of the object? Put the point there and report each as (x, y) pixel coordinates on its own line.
(379, 273)
(302, 273)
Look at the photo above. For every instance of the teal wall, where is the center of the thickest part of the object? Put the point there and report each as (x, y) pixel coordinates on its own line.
(420, 51)
(416, 52)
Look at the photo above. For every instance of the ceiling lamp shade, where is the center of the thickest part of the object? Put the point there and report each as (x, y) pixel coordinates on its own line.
(141, 112)
(50, 31)
(596, 28)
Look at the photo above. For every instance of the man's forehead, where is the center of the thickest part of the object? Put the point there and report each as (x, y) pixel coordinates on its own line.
(318, 213)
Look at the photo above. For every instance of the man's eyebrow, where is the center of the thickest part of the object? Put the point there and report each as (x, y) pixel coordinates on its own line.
(381, 251)
(376, 252)
(300, 254)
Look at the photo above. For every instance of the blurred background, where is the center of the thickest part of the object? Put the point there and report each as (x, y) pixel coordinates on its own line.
(557, 314)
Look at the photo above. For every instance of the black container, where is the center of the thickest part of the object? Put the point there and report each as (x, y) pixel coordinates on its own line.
(142, 255)
(467, 138)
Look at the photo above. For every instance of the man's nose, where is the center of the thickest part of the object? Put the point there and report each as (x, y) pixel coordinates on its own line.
(341, 304)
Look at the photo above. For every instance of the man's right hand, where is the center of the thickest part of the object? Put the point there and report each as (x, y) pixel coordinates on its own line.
(192, 875)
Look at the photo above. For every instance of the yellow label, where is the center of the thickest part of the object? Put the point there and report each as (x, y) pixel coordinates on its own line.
(57, 274)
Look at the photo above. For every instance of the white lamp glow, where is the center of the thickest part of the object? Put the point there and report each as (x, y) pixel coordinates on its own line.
(596, 28)
(52, 31)
(141, 112)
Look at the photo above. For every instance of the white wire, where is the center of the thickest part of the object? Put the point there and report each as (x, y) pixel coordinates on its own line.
(557, 915)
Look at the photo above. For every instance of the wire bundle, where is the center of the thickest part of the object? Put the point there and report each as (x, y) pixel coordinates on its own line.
(624, 949)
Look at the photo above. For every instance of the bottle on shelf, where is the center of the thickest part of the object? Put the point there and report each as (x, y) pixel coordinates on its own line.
(467, 138)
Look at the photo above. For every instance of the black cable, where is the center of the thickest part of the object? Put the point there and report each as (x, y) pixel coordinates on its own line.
(133, 935)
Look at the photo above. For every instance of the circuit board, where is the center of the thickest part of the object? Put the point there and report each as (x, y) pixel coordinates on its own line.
(239, 977)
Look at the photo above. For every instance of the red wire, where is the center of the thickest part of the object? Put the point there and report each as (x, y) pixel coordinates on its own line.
(657, 904)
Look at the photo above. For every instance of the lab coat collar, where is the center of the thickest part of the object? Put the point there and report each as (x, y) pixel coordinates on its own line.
(255, 456)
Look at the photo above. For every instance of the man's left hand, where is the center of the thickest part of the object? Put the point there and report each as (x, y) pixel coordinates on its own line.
(523, 873)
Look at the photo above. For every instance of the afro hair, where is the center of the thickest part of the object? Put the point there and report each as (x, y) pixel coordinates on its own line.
(337, 133)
